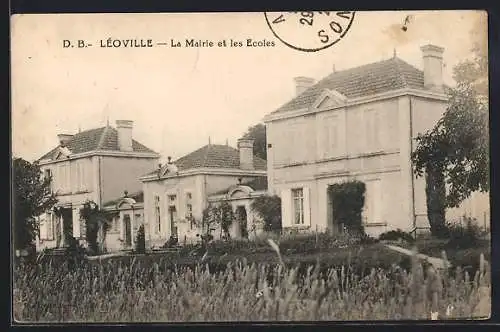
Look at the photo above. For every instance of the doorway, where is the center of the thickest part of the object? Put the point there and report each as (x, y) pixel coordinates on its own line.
(67, 221)
(172, 214)
(128, 230)
(241, 219)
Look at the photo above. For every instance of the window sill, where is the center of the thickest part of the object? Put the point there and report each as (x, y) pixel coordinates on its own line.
(375, 224)
(297, 227)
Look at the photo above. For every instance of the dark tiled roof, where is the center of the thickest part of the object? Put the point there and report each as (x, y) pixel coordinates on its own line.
(137, 196)
(104, 138)
(213, 156)
(370, 79)
(259, 183)
(216, 156)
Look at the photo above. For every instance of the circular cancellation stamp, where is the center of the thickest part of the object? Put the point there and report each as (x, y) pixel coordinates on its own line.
(310, 31)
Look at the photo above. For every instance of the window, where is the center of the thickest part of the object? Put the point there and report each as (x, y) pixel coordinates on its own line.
(157, 214)
(189, 196)
(47, 174)
(172, 198)
(298, 206)
(189, 214)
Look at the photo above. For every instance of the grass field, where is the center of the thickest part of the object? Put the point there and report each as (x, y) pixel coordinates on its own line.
(257, 288)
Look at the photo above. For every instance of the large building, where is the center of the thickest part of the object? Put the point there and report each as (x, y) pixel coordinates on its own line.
(360, 123)
(95, 165)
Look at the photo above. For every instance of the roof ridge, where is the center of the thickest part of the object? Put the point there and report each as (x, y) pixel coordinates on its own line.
(205, 156)
(400, 72)
(101, 139)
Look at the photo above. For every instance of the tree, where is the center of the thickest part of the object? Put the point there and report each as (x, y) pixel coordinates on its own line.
(140, 241)
(96, 226)
(32, 197)
(258, 133)
(216, 215)
(455, 152)
(269, 209)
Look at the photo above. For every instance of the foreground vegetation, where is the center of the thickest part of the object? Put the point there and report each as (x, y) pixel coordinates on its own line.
(141, 291)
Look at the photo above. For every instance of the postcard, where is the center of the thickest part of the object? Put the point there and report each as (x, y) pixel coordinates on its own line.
(250, 167)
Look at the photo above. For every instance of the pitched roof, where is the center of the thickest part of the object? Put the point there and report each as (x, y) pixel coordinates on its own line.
(365, 80)
(104, 138)
(213, 156)
(216, 156)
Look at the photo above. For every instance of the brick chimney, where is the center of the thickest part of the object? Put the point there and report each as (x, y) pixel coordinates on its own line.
(302, 84)
(245, 146)
(124, 128)
(433, 66)
(64, 139)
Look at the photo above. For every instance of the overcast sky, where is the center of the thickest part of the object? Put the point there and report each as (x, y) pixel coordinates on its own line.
(179, 97)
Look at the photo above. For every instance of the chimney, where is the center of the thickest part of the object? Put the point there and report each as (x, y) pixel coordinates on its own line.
(245, 146)
(433, 66)
(64, 139)
(302, 84)
(124, 128)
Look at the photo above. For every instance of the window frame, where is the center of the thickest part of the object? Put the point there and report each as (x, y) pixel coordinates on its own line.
(300, 199)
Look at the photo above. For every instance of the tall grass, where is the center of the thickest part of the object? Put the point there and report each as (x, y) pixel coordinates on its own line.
(242, 292)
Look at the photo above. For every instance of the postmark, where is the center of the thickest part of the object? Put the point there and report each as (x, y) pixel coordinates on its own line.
(310, 31)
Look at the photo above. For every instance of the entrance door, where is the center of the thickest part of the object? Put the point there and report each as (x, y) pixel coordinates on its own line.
(241, 214)
(128, 230)
(172, 212)
(67, 220)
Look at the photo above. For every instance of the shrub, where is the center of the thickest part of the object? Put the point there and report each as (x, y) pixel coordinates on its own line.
(348, 199)
(96, 223)
(140, 241)
(268, 208)
(461, 236)
(396, 235)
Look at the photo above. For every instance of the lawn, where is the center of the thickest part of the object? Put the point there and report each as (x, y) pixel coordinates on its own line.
(246, 282)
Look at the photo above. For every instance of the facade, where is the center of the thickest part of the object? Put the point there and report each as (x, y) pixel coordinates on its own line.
(95, 165)
(247, 223)
(127, 215)
(177, 193)
(358, 123)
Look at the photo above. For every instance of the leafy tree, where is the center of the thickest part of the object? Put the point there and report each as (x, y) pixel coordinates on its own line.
(217, 215)
(455, 152)
(96, 226)
(258, 133)
(269, 209)
(32, 197)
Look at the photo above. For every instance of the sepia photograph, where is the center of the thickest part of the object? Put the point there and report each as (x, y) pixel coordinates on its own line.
(250, 167)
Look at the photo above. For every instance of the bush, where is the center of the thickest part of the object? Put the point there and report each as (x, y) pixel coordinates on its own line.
(171, 242)
(348, 200)
(396, 235)
(463, 237)
(140, 241)
(268, 208)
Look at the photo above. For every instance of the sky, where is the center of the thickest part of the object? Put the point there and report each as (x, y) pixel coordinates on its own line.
(179, 97)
